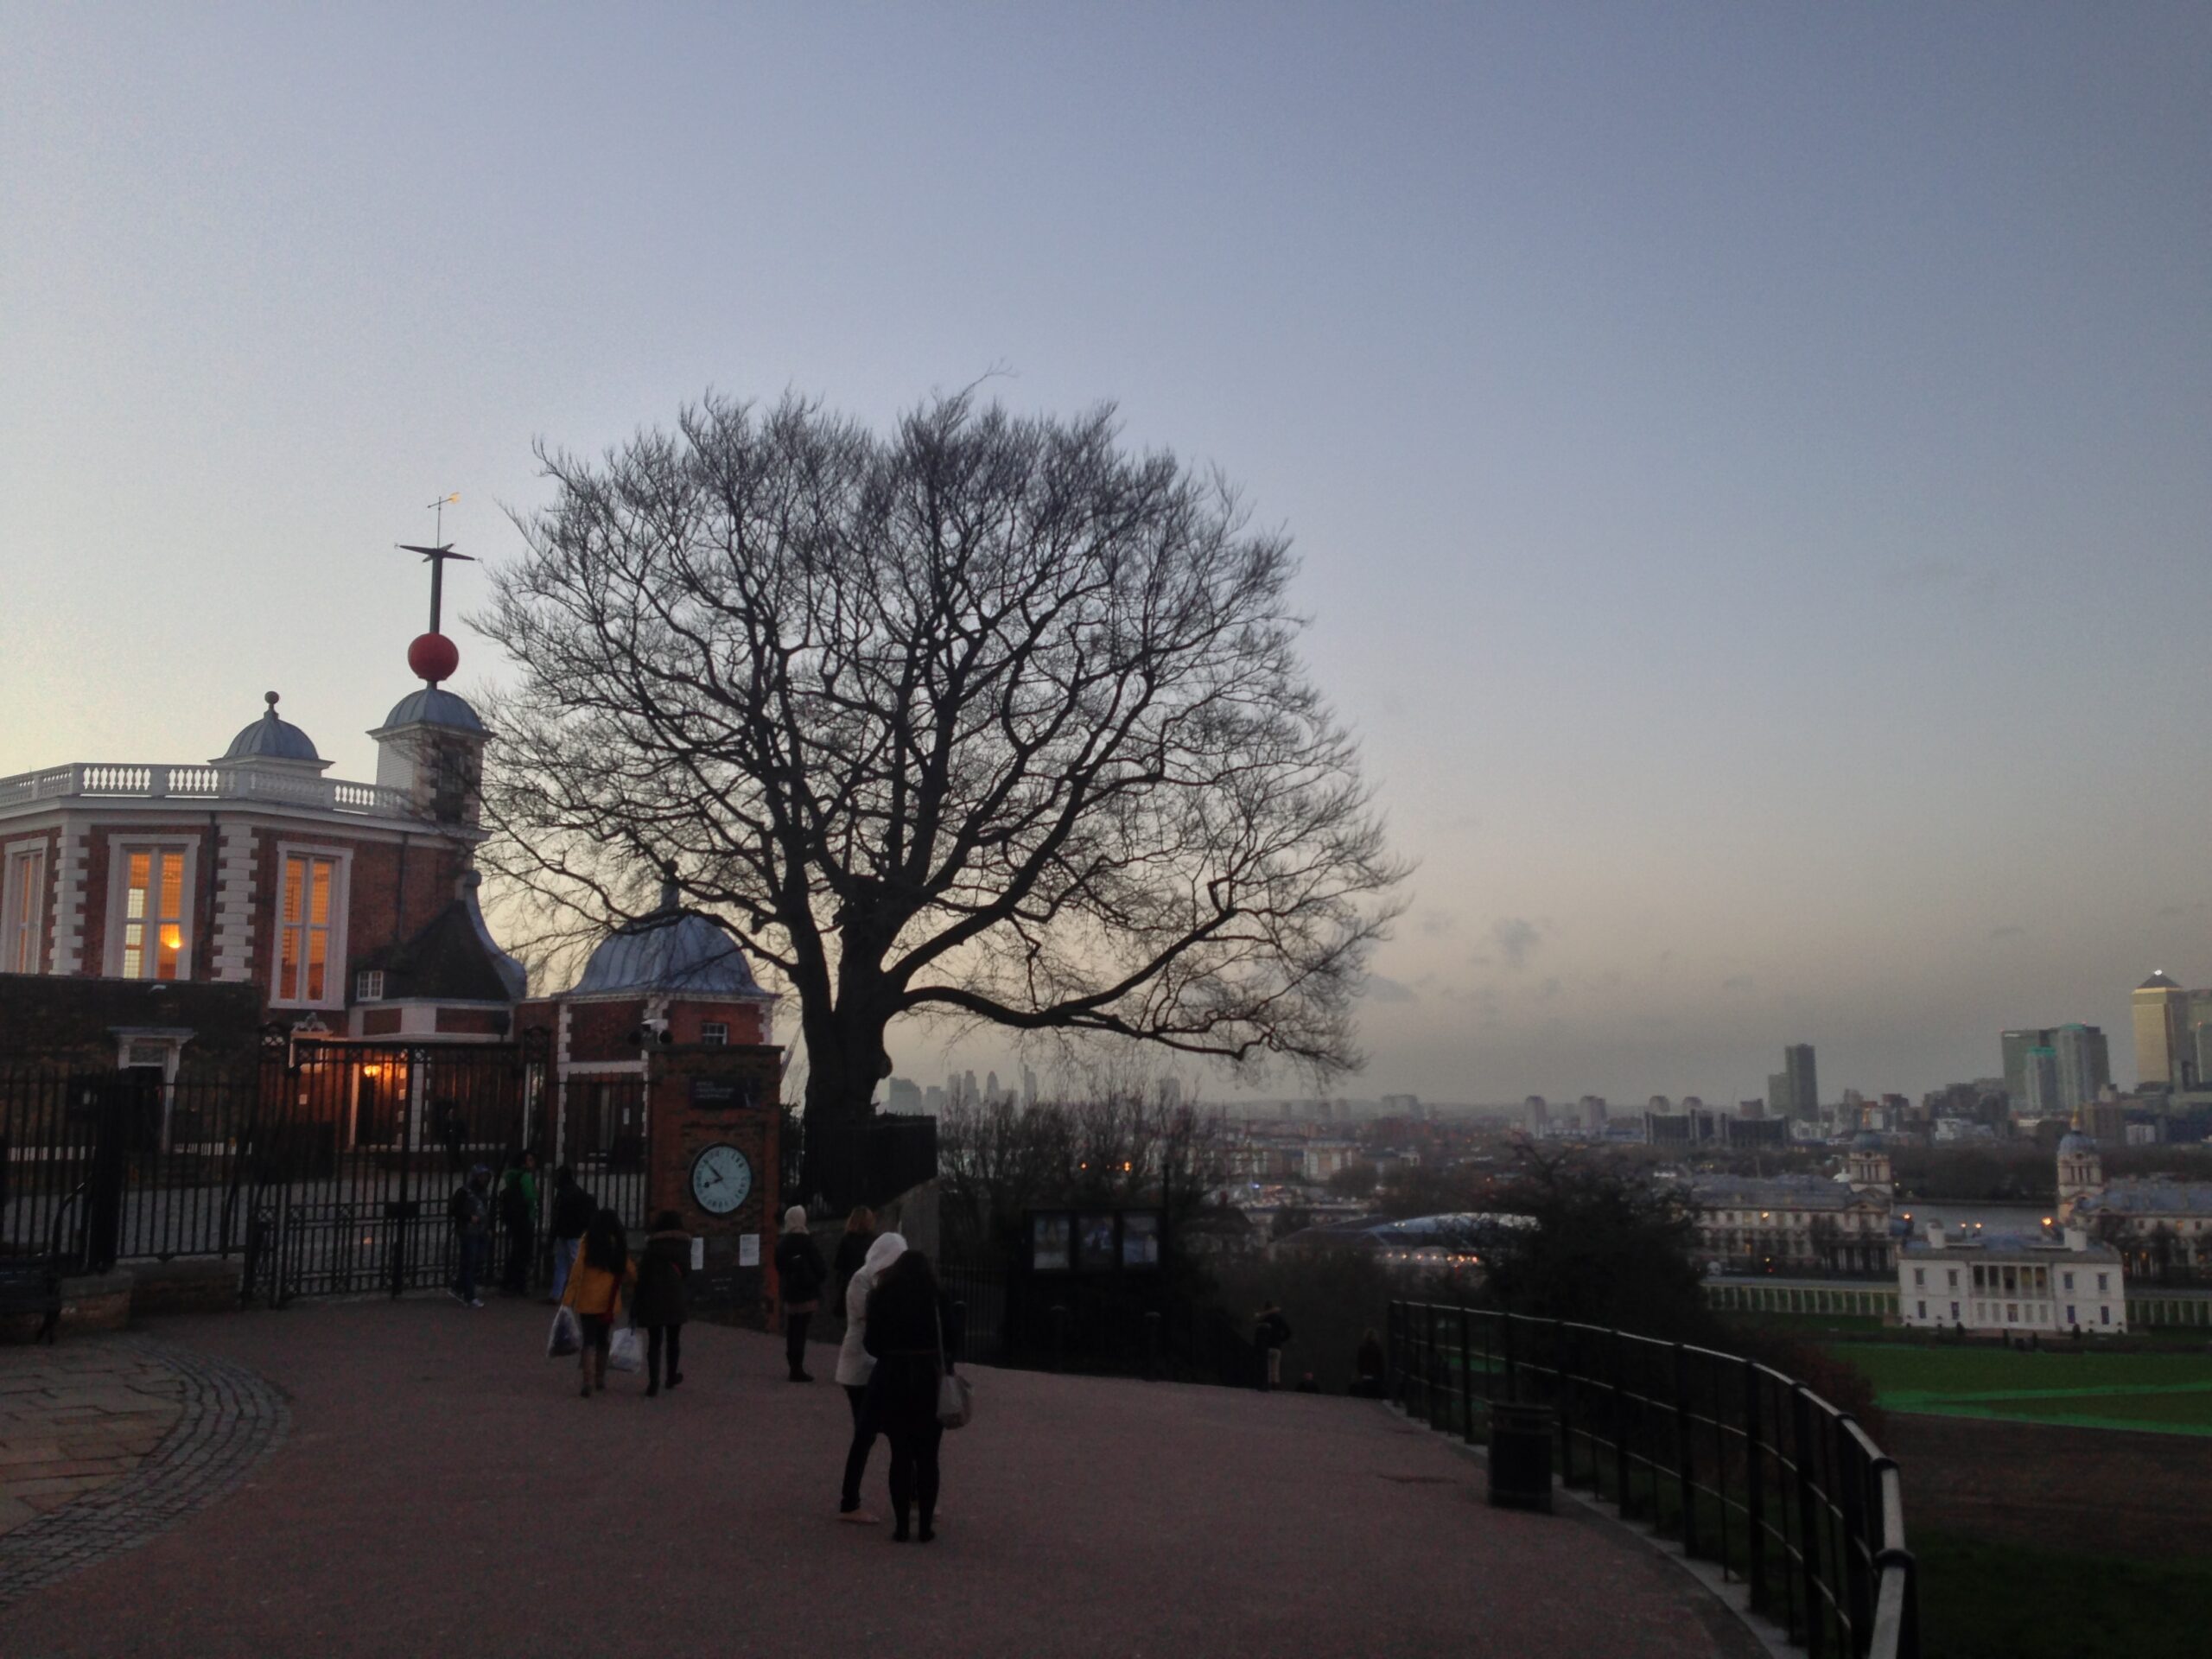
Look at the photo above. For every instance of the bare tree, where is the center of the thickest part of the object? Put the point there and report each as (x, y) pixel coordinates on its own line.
(986, 717)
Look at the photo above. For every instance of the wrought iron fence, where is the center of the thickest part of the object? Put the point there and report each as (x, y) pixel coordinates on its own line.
(1742, 1466)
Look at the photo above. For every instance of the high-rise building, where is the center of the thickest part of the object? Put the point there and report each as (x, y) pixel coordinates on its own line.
(2197, 1046)
(2016, 1045)
(1028, 1085)
(991, 1087)
(1592, 1108)
(906, 1096)
(1777, 1094)
(2042, 1084)
(1804, 1081)
(2160, 1005)
(2084, 1065)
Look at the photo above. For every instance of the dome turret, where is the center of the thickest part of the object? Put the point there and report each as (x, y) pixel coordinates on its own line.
(672, 950)
(271, 738)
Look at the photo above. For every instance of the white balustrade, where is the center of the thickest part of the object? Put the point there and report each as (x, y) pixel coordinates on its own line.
(109, 781)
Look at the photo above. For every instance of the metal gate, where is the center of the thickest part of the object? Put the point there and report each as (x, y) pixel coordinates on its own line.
(364, 1145)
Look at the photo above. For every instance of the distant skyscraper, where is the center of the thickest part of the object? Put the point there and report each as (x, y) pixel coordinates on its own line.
(991, 1087)
(1593, 1113)
(968, 1093)
(906, 1096)
(2084, 1065)
(2159, 1006)
(2016, 1045)
(2042, 1074)
(1777, 1094)
(1029, 1086)
(1804, 1081)
(933, 1100)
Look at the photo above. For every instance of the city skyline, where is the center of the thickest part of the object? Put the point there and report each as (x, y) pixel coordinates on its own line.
(1694, 438)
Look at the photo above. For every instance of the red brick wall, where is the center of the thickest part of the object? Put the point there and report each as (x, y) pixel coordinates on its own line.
(601, 1031)
(743, 1019)
(680, 1131)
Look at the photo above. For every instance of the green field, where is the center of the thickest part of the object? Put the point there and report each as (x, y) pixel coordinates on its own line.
(2171, 1393)
(1982, 1599)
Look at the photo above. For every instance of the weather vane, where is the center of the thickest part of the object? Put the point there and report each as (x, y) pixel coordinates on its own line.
(437, 556)
(432, 655)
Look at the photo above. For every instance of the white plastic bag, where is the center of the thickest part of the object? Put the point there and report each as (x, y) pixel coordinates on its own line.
(627, 1351)
(566, 1336)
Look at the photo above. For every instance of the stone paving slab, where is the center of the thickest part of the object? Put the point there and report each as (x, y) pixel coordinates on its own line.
(76, 1417)
(443, 1489)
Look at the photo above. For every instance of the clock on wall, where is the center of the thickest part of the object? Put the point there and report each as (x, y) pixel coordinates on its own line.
(722, 1179)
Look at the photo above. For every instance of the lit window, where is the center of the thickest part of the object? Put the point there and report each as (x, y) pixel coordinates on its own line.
(24, 934)
(153, 914)
(713, 1033)
(307, 898)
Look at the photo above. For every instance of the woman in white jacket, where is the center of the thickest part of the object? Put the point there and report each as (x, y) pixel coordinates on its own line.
(853, 1366)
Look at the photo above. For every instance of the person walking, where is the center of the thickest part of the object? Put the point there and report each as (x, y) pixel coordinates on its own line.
(603, 1271)
(660, 1302)
(518, 1220)
(852, 1251)
(572, 1213)
(912, 1334)
(854, 1369)
(799, 1272)
(1368, 1366)
(1272, 1334)
(469, 1209)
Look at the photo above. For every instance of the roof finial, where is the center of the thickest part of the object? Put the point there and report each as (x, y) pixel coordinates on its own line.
(668, 884)
(269, 697)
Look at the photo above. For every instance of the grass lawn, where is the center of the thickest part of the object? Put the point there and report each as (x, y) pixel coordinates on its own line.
(2158, 1391)
(1985, 1600)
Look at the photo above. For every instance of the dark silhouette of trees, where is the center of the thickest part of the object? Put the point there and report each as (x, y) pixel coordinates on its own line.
(986, 717)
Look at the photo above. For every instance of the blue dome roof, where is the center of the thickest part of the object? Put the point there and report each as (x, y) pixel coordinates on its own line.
(670, 950)
(271, 738)
(1865, 1140)
(2075, 1141)
(431, 707)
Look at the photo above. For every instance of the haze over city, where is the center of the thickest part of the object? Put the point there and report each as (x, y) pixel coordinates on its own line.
(1749, 468)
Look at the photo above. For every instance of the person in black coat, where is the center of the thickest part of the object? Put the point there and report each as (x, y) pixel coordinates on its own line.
(912, 1334)
(800, 1274)
(659, 1302)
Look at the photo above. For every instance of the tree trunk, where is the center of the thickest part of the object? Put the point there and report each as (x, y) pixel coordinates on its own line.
(844, 1062)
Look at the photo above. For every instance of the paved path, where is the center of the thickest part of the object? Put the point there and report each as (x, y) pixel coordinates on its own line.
(443, 1489)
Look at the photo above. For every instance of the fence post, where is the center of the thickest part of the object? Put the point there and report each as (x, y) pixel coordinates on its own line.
(1809, 1566)
(1466, 1379)
(1620, 1424)
(1152, 1344)
(1755, 1486)
(1428, 1368)
(1394, 1325)
(1858, 1549)
(1684, 1425)
(1566, 1410)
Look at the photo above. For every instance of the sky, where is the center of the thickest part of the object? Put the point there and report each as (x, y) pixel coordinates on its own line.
(1751, 465)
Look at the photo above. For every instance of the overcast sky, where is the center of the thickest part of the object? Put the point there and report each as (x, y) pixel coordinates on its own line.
(1753, 465)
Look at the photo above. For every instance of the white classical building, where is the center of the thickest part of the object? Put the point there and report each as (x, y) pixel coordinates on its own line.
(1998, 1282)
(2158, 1223)
(1785, 1223)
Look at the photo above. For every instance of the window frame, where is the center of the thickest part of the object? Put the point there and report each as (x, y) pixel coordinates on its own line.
(121, 849)
(713, 1033)
(337, 983)
(14, 888)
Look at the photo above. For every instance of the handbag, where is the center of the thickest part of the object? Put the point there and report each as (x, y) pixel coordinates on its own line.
(567, 1335)
(625, 1349)
(956, 1398)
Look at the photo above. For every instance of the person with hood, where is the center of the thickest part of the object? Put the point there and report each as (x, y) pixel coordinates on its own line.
(469, 1209)
(603, 1271)
(913, 1333)
(660, 1305)
(854, 1369)
(799, 1272)
(519, 1219)
(572, 1213)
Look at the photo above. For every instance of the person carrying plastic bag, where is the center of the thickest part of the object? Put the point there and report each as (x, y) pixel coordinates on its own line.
(603, 1273)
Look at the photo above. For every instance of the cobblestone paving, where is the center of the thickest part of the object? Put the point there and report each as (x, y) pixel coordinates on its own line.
(174, 1430)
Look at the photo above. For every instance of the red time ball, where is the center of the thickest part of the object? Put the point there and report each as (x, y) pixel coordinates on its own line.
(433, 657)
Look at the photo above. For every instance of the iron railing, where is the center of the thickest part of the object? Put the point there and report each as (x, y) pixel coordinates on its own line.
(1742, 1466)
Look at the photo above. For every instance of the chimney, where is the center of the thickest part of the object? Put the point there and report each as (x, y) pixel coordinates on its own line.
(1935, 1234)
(2077, 1238)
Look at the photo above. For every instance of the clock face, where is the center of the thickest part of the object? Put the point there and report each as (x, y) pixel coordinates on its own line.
(722, 1179)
